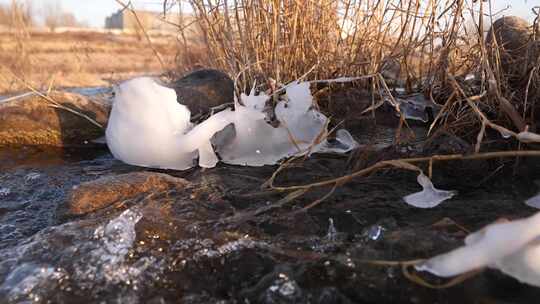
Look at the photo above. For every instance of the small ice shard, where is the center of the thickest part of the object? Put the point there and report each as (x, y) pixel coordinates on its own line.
(148, 127)
(513, 247)
(469, 77)
(413, 111)
(429, 197)
(343, 143)
(534, 201)
(415, 106)
(373, 232)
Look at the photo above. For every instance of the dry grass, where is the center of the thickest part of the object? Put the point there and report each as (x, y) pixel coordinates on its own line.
(284, 39)
(422, 44)
(77, 59)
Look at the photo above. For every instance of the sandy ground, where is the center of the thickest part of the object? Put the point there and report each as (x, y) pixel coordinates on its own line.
(78, 59)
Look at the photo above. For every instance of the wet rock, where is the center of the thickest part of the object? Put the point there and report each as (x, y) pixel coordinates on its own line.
(31, 120)
(517, 49)
(103, 192)
(204, 89)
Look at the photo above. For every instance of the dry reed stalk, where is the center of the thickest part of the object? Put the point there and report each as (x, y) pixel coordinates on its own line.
(340, 37)
(402, 163)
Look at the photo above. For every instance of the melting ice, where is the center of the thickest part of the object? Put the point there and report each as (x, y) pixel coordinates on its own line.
(430, 196)
(149, 128)
(513, 247)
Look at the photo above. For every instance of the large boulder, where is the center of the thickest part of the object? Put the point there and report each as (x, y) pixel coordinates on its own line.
(32, 120)
(517, 49)
(204, 89)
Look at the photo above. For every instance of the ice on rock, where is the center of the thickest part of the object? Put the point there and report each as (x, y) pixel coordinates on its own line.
(430, 196)
(148, 127)
(257, 143)
(512, 247)
(90, 258)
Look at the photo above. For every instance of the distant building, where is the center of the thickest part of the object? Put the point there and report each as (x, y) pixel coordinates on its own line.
(150, 21)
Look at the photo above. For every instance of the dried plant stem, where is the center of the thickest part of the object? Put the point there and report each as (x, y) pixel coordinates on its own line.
(54, 103)
(403, 163)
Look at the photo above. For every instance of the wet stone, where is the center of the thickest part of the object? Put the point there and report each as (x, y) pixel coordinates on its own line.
(100, 193)
(31, 120)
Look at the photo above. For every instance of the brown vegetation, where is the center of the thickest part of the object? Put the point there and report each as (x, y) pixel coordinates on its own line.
(431, 46)
(77, 59)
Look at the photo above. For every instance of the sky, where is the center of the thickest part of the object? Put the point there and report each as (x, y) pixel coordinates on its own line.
(93, 12)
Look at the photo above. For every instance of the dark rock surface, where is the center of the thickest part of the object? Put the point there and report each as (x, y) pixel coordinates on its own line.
(204, 89)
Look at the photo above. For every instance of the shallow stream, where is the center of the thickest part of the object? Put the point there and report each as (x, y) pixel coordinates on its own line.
(208, 243)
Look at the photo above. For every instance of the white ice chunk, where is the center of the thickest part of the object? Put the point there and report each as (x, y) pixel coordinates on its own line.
(257, 143)
(523, 265)
(512, 247)
(534, 201)
(148, 127)
(429, 197)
